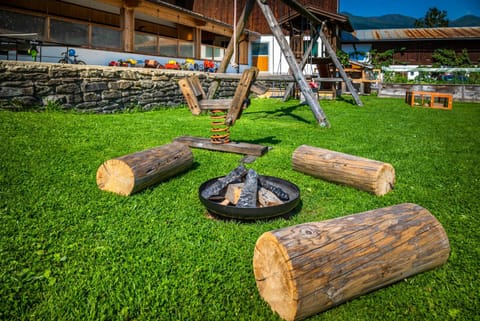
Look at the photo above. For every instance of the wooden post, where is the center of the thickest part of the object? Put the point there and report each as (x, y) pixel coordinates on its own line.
(317, 22)
(229, 51)
(308, 268)
(296, 71)
(362, 173)
(127, 23)
(131, 173)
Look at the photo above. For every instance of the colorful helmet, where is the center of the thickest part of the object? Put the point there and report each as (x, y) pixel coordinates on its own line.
(71, 52)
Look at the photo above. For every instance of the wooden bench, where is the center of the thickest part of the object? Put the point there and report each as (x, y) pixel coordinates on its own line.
(197, 99)
(429, 99)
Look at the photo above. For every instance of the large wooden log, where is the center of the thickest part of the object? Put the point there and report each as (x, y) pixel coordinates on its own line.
(131, 173)
(369, 175)
(308, 268)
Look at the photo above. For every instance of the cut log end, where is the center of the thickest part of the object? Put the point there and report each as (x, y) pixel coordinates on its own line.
(385, 180)
(272, 274)
(116, 176)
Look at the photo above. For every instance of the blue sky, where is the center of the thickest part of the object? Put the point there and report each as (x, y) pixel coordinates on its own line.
(413, 8)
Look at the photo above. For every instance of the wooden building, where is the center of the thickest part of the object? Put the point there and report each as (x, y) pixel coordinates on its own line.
(198, 29)
(414, 46)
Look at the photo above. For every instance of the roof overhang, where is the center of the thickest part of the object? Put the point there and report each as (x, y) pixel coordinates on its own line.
(323, 15)
(412, 34)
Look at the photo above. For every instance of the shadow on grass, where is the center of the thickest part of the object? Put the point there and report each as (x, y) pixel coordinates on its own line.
(284, 112)
(269, 140)
(343, 98)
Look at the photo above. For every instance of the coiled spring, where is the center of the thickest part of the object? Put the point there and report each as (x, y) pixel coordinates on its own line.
(220, 131)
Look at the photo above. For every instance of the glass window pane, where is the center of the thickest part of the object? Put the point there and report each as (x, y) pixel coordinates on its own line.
(168, 47)
(12, 22)
(106, 38)
(186, 49)
(218, 53)
(68, 32)
(145, 43)
(260, 49)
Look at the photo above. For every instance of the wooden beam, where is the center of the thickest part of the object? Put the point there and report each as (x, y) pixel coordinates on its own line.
(232, 147)
(183, 18)
(296, 71)
(229, 51)
(316, 21)
(127, 24)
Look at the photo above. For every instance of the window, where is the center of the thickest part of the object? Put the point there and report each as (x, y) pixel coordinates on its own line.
(68, 32)
(212, 53)
(260, 54)
(106, 37)
(12, 22)
(185, 49)
(260, 48)
(145, 43)
(168, 47)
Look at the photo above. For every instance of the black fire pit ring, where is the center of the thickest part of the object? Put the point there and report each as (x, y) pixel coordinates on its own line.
(244, 213)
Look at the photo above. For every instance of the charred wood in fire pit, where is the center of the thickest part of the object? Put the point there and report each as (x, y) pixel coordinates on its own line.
(221, 183)
(233, 192)
(248, 195)
(267, 198)
(274, 189)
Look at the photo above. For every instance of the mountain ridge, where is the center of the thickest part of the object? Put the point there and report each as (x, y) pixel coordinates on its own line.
(391, 21)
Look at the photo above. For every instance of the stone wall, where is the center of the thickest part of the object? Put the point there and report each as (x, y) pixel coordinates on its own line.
(26, 85)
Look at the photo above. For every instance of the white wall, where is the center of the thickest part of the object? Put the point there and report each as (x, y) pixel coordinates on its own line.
(277, 63)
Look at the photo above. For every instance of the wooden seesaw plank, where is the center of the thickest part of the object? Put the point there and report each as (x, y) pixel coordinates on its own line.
(231, 147)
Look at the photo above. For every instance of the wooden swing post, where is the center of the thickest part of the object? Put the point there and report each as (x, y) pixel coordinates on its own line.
(317, 22)
(296, 71)
(240, 27)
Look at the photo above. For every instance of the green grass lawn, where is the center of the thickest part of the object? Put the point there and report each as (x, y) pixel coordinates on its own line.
(69, 251)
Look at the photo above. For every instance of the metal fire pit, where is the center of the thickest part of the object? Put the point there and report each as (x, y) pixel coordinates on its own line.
(254, 213)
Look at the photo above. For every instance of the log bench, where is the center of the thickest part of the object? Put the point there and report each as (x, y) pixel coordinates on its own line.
(365, 174)
(308, 268)
(131, 173)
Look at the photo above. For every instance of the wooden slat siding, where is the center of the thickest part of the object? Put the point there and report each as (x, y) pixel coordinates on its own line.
(223, 11)
(232, 147)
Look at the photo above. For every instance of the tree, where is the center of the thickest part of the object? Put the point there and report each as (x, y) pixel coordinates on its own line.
(434, 18)
(443, 57)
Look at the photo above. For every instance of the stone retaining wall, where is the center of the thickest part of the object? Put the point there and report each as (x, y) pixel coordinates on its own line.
(25, 85)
